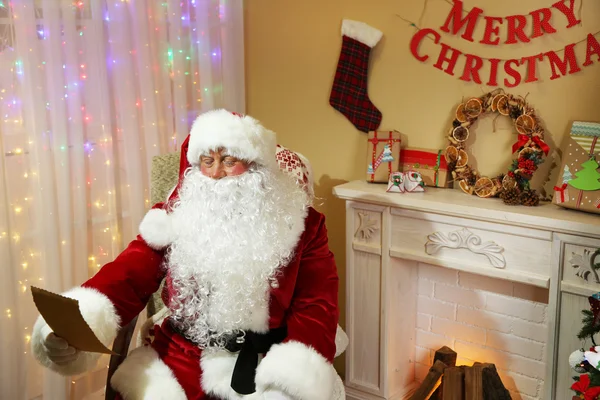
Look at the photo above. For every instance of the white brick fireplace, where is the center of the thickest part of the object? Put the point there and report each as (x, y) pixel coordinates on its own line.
(440, 268)
(483, 319)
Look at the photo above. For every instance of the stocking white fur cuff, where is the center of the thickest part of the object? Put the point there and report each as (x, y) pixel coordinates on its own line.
(156, 229)
(297, 370)
(362, 32)
(99, 313)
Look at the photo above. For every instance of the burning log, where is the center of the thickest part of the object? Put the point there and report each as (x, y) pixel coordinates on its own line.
(446, 381)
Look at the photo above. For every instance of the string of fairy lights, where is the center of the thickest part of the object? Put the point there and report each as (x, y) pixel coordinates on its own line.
(182, 49)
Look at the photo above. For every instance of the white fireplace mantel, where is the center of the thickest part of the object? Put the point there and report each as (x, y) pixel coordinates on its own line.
(388, 234)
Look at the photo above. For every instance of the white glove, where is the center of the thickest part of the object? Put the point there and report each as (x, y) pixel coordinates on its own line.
(273, 394)
(58, 349)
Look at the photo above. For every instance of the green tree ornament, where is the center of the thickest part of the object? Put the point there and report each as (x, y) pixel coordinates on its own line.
(588, 178)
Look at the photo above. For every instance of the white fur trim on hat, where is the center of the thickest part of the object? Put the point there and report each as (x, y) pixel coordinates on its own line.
(156, 229)
(99, 313)
(242, 136)
(362, 32)
(298, 370)
(143, 375)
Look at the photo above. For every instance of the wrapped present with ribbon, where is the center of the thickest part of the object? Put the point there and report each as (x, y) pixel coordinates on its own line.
(383, 155)
(430, 164)
(578, 187)
(562, 193)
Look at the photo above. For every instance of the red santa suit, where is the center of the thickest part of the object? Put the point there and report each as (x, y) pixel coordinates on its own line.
(293, 330)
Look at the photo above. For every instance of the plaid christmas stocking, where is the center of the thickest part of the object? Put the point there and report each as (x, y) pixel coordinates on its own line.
(349, 92)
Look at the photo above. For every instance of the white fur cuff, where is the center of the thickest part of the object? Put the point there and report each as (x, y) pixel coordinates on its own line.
(156, 229)
(217, 370)
(99, 313)
(143, 375)
(362, 32)
(297, 370)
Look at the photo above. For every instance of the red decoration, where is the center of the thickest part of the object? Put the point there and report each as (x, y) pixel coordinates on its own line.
(521, 141)
(455, 18)
(490, 30)
(516, 23)
(416, 41)
(562, 190)
(593, 47)
(472, 67)
(532, 67)
(451, 60)
(569, 60)
(493, 72)
(541, 22)
(583, 386)
(512, 72)
(568, 11)
(541, 144)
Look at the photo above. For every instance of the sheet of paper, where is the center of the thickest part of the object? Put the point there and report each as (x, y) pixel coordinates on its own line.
(63, 316)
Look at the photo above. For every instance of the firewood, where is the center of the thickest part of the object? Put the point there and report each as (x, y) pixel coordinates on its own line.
(474, 383)
(453, 383)
(430, 383)
(448, 357)
(493, 388)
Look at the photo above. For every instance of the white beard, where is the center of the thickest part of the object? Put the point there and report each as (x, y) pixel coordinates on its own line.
(232, 237)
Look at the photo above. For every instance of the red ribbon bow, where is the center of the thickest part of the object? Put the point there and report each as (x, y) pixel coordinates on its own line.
(542, 145)
(524, 139)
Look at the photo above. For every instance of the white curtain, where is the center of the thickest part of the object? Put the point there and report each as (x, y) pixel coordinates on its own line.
(90, 91)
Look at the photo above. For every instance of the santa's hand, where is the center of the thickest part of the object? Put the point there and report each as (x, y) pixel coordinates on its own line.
(275, 395)
(58, 349)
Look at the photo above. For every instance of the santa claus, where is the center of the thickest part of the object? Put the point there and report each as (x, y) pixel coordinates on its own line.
(251, 286)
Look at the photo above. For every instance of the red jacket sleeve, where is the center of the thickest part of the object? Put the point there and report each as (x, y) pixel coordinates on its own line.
(130, 279)
(314, 313)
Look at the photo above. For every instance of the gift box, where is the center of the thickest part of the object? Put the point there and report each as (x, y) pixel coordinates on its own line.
(578, 185)
(431, 164)
(383, 155)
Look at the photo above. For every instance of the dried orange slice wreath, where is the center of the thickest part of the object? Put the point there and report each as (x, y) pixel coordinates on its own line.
(529, 146)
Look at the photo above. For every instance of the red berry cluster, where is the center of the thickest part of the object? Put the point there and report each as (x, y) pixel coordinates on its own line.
(527, 166)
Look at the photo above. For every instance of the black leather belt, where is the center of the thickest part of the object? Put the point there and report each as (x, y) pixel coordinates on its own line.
(249, 345)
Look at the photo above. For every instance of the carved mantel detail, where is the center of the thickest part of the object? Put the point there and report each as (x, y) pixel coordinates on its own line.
(367, 226)
(465, 239)
(585, 265)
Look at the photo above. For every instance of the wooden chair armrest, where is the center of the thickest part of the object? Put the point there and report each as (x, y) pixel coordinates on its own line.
(121, 347)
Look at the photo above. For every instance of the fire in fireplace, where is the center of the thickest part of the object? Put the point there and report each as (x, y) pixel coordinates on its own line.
(447, 381)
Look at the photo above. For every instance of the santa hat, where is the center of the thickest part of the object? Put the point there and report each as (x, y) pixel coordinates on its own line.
(241, 135)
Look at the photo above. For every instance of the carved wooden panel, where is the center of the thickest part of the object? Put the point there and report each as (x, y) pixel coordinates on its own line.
(581, 264)
(367, 228)
(364, 332)
(505, 252)
(465, 239)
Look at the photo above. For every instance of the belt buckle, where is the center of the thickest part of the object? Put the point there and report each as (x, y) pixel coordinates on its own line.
(234, 343)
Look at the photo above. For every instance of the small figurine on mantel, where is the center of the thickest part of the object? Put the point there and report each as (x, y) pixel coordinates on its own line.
(401, 182)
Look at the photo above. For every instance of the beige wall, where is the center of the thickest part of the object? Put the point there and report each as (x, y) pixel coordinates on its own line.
(292, 48)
